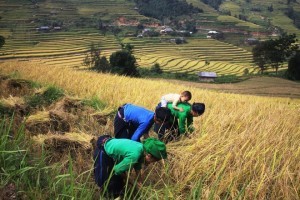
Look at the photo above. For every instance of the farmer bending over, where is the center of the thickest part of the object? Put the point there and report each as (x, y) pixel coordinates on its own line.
(114, 157)
(181, 121)
(132, 122)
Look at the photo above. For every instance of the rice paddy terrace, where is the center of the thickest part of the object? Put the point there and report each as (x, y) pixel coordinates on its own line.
(21, 23)
(260, 12)
(194, 56)
(69, 49)
(69, 45)
(66, 49)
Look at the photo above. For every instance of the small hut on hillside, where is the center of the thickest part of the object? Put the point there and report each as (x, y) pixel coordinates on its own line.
(43, 28)
(207, 76)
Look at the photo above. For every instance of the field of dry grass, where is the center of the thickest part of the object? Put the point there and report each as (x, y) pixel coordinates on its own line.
(259, 86)
(244, 147)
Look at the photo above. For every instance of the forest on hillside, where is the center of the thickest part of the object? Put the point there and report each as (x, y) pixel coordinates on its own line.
(213, 3)
(161, 9)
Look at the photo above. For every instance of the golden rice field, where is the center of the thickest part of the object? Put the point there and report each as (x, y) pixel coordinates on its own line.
(68, 48)
(259, 85)
(71, 9)
(21, 19)
(225, 59)
(244, 147)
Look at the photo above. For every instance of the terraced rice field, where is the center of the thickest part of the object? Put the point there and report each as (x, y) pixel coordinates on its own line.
(223, 58)
(62, 47)
(277, 17)
(70, 9)
(78, 21)
(68, 47)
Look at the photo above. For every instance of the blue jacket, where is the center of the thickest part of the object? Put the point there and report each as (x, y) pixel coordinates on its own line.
(141, 118)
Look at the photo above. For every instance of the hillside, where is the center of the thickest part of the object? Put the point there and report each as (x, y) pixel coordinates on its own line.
(258, 86)
(190, 58)
(52, 107)
(61, 33)
(244, 146)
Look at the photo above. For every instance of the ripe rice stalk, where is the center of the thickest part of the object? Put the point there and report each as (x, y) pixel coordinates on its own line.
(82, 138)
(244, 146)
(12, 101)
(41, 116)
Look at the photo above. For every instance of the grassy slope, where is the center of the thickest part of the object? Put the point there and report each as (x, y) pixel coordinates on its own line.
(264, 86)
(243, 146)
(276, 18)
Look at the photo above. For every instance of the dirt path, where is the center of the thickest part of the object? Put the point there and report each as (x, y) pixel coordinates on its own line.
(262, 86)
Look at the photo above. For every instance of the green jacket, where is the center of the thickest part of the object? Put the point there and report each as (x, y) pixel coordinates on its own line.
(185, 118)
(126, 153)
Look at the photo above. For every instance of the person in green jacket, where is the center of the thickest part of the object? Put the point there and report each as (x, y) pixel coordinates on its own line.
(181, 121)
(114, 157)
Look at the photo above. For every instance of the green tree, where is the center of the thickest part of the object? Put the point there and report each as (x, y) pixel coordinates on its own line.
(281, 49)
(156, 69)
(103, 27)
(91, 56)
(260, 56)
(165, 9)
(291, 1)
(213, 3)
(128, 47)
(191, 26)
(124, 63)
(2, 41)
(293, 71)
(95, 61)
(102, 65)
(270, 8)
(140, 26)
(274, 52)
(115, 30)
(87, 61)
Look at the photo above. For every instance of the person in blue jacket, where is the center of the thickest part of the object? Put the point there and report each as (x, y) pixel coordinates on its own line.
(133, 122)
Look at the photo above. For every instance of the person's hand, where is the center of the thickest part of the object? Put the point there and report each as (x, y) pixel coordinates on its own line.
(181, 109)
(146, 135)
(188, 136)
(191, 129)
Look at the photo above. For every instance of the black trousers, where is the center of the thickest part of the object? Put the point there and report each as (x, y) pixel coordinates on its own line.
(123, 129)
(167, 131)
(112, 185)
